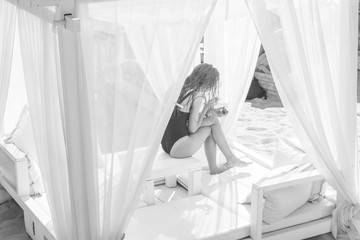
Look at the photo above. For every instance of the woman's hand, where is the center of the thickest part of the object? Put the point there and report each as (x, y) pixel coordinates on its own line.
(198, 114)
(217, 112)
(208, 121)
(220, 112)
(209, 106)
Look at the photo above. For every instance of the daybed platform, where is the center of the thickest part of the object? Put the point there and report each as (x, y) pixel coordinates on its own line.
(15, 168)
(215, 207)
(198, 217)
(216, 213)
(209, 215)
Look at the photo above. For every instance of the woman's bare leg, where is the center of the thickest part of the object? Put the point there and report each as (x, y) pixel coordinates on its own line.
(188, 145)
(210, 152)
(220, 139)
(210, 137)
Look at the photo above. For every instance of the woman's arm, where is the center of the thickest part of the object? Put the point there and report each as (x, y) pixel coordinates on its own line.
(198, 118)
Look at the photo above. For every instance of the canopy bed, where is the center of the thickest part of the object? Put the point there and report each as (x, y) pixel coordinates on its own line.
(101, 79)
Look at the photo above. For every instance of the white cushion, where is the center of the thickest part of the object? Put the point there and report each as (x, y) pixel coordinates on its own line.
(23, 138)
(306, 213)
(195, 217)
(164, 165)
(282, 202)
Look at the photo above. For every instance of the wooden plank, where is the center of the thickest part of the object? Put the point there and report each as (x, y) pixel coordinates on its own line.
(22, 178)
(149, 195)
(257, 204)
(290, 180)
(194, 183)
(301, 231)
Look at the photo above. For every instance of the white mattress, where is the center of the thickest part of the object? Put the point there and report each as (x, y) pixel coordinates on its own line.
(198, 217)
(195, 217)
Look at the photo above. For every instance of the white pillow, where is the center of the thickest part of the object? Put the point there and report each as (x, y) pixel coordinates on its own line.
(280, 203)
(247, 188)
(23, 138)
(287, 153)
(36, 183)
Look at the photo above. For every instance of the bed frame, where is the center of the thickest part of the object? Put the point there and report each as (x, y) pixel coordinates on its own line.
(13, 168)
(14, 177)
(149, 221)
(39, 225)
(301, 231)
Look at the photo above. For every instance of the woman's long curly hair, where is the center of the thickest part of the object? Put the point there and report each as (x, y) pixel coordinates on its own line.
(204, 79)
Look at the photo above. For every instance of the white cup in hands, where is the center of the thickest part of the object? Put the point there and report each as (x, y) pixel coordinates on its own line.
(218, 110)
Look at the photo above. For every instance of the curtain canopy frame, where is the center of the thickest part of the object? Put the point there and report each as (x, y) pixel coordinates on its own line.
(31, 6)
(67, 20)
(37, 3)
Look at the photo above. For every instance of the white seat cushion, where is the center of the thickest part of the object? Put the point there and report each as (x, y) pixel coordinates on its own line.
(164, 165)
(195, 217)
(306, 213)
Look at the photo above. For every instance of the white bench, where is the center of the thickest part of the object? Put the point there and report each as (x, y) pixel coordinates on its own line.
(168, 168)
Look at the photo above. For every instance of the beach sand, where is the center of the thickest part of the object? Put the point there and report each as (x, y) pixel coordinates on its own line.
(12, 225)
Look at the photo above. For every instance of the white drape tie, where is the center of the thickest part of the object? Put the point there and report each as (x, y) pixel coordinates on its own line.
(347, 218)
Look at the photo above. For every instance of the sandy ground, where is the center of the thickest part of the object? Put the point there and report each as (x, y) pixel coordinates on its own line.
(12, 222)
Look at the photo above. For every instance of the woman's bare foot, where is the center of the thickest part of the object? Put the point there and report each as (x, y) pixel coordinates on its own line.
(219, 169)
(236, 162)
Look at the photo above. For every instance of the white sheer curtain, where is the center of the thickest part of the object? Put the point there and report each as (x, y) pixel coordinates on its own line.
(312, 50)
(232, 45)
(39, 53)
(136, 55)
(7, 31)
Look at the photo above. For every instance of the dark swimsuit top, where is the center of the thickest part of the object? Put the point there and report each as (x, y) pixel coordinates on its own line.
(176, 128)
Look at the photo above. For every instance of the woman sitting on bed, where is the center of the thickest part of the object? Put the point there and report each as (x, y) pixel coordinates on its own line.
(194, 121)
